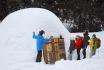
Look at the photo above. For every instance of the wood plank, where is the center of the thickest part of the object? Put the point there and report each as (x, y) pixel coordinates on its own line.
(56, 48)
(62, 52)
(45, 53)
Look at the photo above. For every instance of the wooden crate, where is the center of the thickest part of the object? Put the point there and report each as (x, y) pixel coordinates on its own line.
(54, 50)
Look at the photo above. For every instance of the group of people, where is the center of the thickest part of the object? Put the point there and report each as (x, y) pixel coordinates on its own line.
(82, 43)
(78, 43)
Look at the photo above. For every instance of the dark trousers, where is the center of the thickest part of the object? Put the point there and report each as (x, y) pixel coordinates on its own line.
(78, 54)
(39, 56)
(84, 53)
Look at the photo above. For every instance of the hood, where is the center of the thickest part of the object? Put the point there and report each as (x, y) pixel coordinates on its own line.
(39, 36)
(79, 38)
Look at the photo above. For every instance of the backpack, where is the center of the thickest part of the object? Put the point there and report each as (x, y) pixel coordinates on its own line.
(99, 43)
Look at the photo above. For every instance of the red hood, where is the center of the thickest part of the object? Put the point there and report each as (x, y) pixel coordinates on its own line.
(79, 38)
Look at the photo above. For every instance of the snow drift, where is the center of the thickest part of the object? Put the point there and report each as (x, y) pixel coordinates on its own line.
(16, 29)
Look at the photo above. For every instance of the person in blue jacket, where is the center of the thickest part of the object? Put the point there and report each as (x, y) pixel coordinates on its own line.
(40, 40)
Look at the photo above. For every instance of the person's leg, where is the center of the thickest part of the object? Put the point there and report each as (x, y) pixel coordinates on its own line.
(37, 58)
(78, 54)
(90, 52)
(93, 53)
(84, 53)
(39, 55)
(70, 56)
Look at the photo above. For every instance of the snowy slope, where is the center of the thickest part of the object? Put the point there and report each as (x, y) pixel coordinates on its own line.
(18, 48)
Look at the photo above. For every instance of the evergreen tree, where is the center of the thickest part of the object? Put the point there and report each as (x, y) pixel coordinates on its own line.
(3, 9)
(85, 14)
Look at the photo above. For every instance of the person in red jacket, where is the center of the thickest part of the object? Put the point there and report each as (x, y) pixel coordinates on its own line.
(78, 45)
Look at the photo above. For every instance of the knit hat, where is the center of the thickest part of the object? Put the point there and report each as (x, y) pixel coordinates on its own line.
(77, 36)
(94, 35)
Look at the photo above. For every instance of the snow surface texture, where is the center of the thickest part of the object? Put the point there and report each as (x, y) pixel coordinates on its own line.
(18, 48)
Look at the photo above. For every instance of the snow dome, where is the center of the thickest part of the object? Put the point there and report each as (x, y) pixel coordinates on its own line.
(16, 32)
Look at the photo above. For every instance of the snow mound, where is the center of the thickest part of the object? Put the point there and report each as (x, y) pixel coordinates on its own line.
(16, 29)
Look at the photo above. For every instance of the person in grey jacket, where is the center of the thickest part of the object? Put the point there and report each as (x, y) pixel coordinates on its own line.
(71, 48)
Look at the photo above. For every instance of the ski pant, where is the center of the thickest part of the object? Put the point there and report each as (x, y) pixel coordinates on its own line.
(84, 53)
(78, 54)
(39, 56)
(70, 55)
(91, 52)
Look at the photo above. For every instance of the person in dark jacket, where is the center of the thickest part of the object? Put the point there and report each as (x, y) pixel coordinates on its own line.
(85, 42)
(71, 48)
(40, 43)
(78, 45)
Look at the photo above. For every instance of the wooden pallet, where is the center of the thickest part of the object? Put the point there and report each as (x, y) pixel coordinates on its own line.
(54, 50)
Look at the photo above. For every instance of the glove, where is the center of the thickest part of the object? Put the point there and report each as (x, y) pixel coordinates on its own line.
(51, 36)
(33, 32)
(71, 52)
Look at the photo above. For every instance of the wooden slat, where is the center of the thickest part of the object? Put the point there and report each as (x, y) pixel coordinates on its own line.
(61, 48)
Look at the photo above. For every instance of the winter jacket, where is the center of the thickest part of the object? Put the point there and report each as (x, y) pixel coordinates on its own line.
(85, 41)
(91, 43)
(78, 43)
(95, 44)
(72, 45)
(40, 41)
